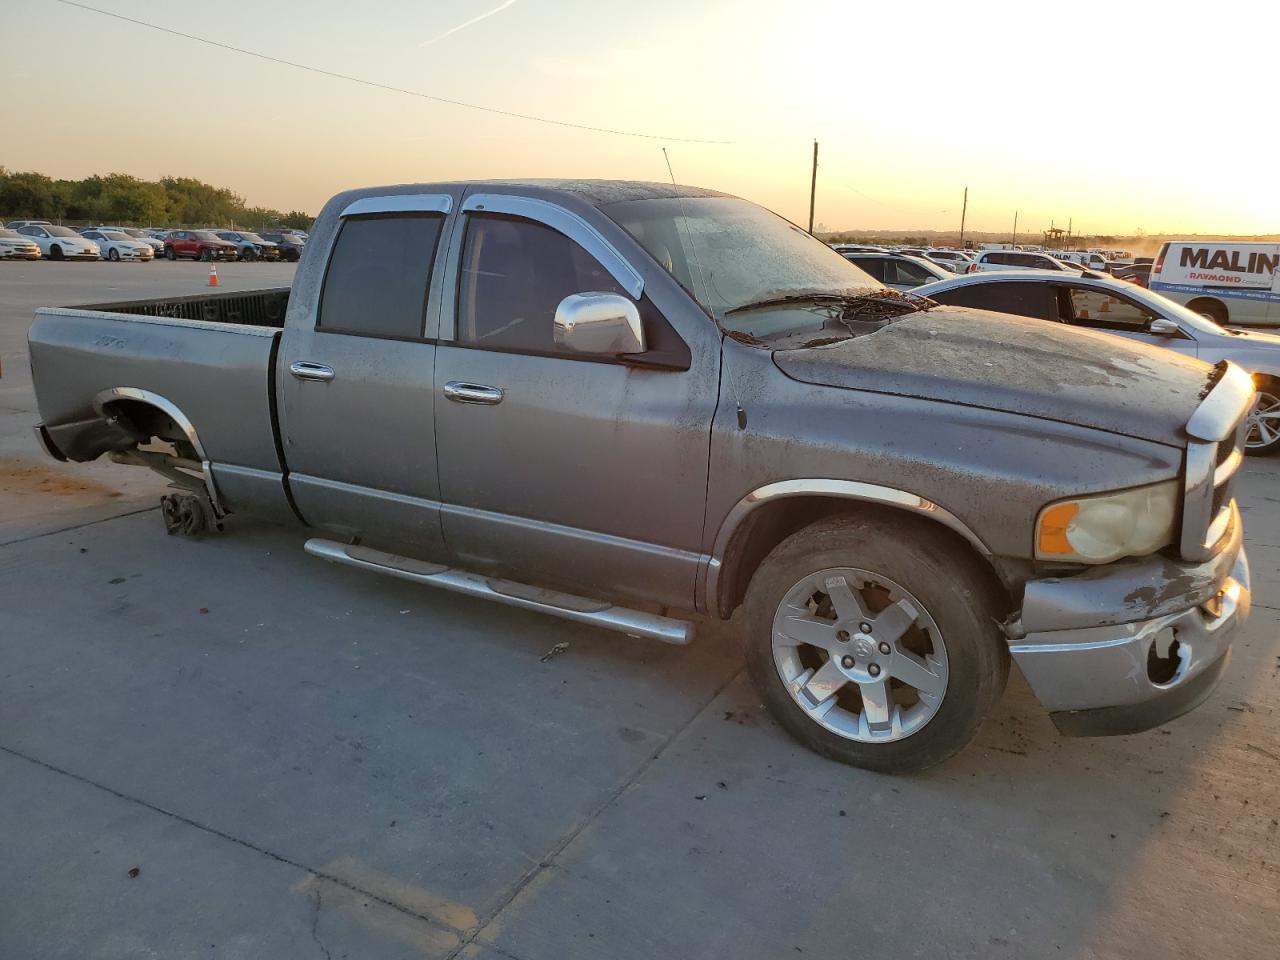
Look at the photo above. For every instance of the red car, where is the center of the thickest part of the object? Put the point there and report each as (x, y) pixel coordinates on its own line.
(198, 245)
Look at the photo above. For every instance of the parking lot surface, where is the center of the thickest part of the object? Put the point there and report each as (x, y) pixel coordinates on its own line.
(224, 748)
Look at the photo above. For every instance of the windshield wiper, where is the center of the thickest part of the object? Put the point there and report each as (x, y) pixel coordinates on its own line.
(792, 298)
(860, 306)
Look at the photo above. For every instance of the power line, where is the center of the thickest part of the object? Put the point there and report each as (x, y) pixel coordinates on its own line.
(386, 86)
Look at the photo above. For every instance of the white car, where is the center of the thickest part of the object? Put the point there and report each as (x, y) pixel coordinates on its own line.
(1090, 259)
(898, 270)
(60, 243)
(14, 246)
(1111, 306)
(1016, 260)
(157, 245)
(117, 246)
(954, 260)
(1235, 283)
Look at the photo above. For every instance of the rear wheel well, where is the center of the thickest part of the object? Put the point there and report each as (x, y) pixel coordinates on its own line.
(145, 421)
(771, 523)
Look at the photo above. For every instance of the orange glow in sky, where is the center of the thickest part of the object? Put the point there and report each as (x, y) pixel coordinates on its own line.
(1160, 116)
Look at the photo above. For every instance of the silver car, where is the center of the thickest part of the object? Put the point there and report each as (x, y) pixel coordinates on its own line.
(1130, 311)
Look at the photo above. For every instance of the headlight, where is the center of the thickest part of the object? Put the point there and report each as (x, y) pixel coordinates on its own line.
(1108, 526)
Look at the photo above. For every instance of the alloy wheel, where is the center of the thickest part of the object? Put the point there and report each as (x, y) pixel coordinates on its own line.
(860, 655)
(1263, 423)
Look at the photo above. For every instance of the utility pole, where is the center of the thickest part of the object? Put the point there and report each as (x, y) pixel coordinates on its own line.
(963, 210)
(1015, 228)
(813, 186)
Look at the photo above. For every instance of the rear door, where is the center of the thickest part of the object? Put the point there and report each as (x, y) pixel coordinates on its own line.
(355, 379)
(570, 470)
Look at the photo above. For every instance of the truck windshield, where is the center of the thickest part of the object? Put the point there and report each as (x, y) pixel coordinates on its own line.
(729, 254)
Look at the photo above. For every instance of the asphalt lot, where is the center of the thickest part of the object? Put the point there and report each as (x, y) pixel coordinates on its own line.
(301, 760)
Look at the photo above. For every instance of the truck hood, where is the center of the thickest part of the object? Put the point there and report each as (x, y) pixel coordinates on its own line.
(1016, 365)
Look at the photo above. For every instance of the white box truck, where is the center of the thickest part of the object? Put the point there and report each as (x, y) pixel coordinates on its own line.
(1237, 283)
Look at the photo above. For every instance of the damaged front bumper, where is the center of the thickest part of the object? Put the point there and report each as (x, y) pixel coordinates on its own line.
(1129, 646)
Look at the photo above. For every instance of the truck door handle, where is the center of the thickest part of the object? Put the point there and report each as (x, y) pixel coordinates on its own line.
(306, 370)
(460, 392)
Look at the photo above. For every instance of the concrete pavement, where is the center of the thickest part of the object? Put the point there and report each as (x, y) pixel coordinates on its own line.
(301, 760)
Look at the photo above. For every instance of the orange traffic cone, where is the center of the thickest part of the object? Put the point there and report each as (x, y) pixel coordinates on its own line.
(213, 275)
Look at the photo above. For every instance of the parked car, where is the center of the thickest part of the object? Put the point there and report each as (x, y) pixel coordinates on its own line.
(250, 245)
(116, 246)
(1116, 307)
(14, 246)
(599, 400)
(60, 243)
(954, 260)
(897, 270)
(1093, 260)
(1139, 273)
(198, 245)
(290, 245)
(15, 224)
(156, 244)
(1235, 283)
(855, 248)
(1017, 260)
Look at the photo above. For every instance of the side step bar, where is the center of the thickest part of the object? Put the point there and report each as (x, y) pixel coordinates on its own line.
(565, 605)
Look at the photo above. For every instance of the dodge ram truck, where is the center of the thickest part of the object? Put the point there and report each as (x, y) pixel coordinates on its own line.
(644, 406)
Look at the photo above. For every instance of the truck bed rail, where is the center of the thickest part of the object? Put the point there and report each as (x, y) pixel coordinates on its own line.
(254, 308)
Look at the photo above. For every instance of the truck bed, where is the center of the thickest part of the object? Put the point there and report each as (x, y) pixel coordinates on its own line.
(195, 370)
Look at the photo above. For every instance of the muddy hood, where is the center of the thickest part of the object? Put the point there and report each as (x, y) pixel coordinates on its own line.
(1016, 365)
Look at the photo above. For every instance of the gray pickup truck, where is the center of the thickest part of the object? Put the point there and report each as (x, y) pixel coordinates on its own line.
(640, 406)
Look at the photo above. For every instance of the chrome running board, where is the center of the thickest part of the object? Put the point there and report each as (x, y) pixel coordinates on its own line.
(598, 613)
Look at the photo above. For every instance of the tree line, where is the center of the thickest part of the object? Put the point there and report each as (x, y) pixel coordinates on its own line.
(129, 201)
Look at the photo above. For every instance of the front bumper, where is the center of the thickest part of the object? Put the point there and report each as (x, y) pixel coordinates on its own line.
(1129, 646)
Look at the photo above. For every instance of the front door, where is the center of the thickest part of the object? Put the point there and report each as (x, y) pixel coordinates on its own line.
(1109, 312)
(562, 469)
(355, 382)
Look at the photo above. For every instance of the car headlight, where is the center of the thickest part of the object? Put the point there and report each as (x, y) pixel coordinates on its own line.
(1108, 526)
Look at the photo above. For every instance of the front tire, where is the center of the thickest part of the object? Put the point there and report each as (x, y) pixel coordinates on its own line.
(55, 253)
(1262, 430)
(875, 641)
(170, 253)
(113, 255)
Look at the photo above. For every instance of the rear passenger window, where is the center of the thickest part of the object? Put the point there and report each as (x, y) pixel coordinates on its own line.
(873, 266)
(376, 284)
(1024, 299)
(904, 271)
(514, 274)
(999, 259)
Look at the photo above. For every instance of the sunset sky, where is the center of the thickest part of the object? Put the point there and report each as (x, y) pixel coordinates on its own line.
(1160, 116)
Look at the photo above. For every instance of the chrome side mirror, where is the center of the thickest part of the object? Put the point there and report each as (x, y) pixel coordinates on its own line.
(1163, 327)
(604, 323)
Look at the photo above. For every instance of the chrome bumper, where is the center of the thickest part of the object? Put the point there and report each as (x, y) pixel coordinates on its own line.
(1131, 646)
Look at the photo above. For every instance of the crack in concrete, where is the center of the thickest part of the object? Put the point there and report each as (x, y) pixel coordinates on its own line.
(248, 845)
(548, 860)
(315, 924)
(77, 526)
